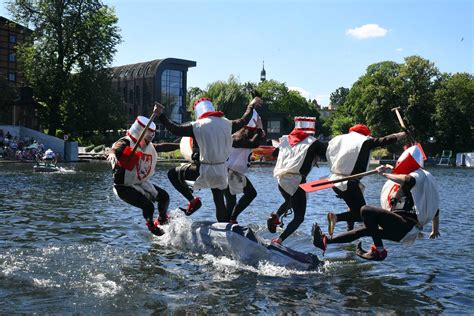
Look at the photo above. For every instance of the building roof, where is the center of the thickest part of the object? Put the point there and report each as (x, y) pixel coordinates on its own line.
(148, 68)
(4, 20)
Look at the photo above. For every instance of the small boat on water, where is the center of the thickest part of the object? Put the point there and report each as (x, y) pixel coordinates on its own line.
(244, 245)
(45, 167)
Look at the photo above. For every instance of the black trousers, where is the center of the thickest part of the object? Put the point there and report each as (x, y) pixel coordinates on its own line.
(137, 199)
(379, 224)
(235, 208)
(298, 203)
(190, 172)
(354, 199)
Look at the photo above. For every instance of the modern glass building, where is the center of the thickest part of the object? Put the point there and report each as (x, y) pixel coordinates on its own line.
(161, 80)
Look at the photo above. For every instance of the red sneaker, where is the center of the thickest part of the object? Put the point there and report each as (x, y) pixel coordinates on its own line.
(372, 254)
(319, 239)
(163, 220)
(154, 229)
(193, 206)
(272, 222)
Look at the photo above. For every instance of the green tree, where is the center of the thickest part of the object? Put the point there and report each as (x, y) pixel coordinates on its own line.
(228, 96)
(279, 99)
(192, 95)
(338, 97)
(67, 37)
(370, 101)
(454, 115)
(420, 79)
(90, 105)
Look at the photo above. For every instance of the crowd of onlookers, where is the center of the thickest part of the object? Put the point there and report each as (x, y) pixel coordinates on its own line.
(15, 148)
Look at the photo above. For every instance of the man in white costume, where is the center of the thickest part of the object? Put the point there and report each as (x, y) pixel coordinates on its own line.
(349, 154)
(238, 163)
(297, 154)
(211, 135)
(132, 172)
(410, 200)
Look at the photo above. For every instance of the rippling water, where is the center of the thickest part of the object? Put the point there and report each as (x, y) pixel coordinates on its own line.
(68, 245)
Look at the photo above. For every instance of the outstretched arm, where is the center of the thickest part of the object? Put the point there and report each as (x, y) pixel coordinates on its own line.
(435, 227)
(241, 122)
(387, 140)
(165, 147)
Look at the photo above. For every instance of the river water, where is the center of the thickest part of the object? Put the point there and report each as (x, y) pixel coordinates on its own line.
(68, 245)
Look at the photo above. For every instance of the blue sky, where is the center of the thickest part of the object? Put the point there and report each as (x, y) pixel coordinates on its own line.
(313, 46)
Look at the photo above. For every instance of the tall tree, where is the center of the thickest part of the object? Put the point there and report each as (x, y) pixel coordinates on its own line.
(454, 115)
(67, 37)
(280, 99)
(229, 97)
(338, 97)
(420, 80)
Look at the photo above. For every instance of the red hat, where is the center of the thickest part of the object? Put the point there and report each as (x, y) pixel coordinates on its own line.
(409, 161)
(361, 129)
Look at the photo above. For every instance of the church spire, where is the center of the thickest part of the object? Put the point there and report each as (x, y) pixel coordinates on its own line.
(263, 73)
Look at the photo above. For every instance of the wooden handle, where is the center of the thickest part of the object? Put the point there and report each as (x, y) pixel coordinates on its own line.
(355, 176)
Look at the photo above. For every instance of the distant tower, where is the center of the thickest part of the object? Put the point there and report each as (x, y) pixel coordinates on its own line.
(263, 73)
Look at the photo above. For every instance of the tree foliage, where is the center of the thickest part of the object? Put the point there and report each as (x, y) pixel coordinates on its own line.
(433, 104)
(69, 37)
(228, 96)
(454, 115)
(232, 98)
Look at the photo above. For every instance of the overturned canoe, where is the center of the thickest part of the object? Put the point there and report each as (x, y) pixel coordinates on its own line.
(244, 245)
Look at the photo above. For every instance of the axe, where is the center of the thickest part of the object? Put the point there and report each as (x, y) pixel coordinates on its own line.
(410, 137)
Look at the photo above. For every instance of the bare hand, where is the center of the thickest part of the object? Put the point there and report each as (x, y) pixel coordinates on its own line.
(158, 109)
(256, 102)
(381, 170)
(112, 159)
(435, 235)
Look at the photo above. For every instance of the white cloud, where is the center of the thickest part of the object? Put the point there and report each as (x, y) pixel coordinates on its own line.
(305, 94)
(399, 50)
(367, 31)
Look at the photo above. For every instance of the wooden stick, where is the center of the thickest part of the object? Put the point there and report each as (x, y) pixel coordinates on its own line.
(314, 185)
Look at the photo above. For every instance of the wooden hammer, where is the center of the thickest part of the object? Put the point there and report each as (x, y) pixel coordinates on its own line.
(402, 124)
(399, 116)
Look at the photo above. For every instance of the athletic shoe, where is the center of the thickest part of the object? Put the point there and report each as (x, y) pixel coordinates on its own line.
(319, 239)
(163, 220)
(332, 220)
(277, 240)
(193, 206)
(272, 222)
(373, 254)
(154, 229)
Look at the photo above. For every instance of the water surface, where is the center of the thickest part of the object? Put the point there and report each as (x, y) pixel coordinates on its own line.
(68, 245)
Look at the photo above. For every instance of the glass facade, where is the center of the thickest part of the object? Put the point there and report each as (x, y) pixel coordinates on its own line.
(172, 93)
(273, 127)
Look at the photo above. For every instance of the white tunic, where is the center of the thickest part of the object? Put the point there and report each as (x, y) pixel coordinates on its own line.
(342, 154)
(139, 176)
(214, 137)
(425, 197)
(238, 164)
(289, 162)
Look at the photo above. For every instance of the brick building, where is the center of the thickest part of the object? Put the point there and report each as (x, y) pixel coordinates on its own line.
(21, 111)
